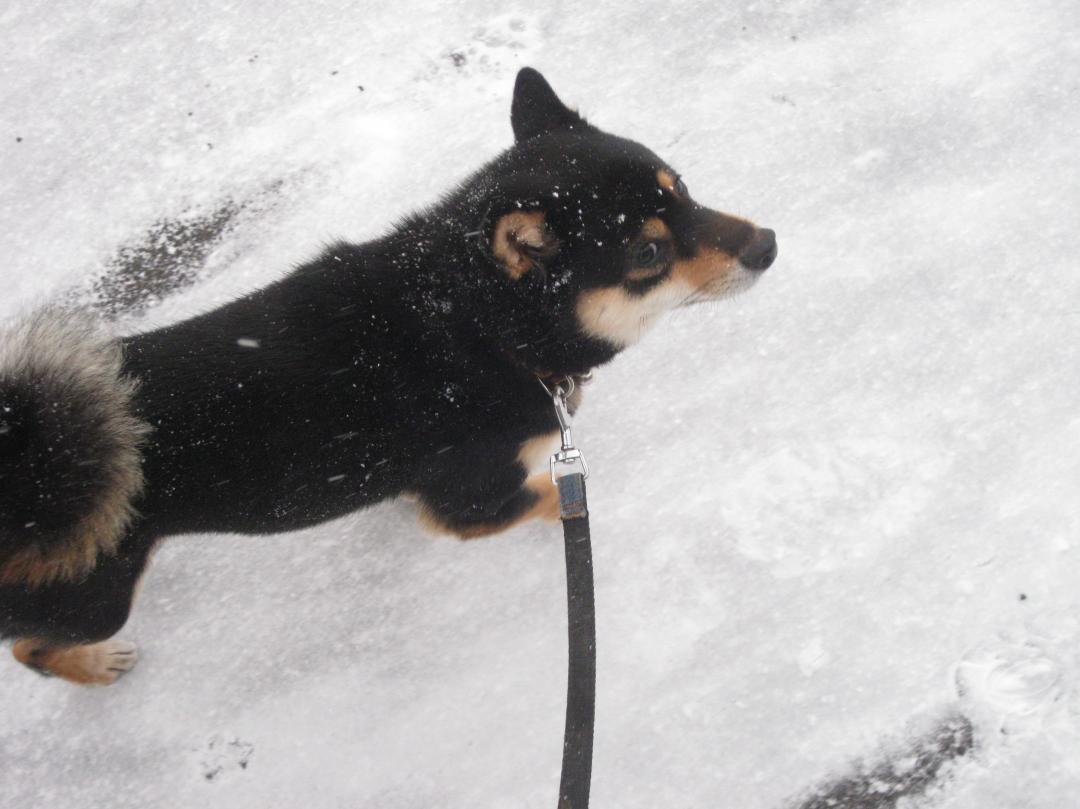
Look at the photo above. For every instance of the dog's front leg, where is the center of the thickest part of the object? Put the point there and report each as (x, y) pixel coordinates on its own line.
(471, 503)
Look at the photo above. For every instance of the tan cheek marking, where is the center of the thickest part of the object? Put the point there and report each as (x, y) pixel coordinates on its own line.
(614, 315)
(703, 270)
(513, 232)
(535, 452)
(608, 313)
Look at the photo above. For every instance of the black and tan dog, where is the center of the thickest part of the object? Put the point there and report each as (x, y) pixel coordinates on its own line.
(407, 364)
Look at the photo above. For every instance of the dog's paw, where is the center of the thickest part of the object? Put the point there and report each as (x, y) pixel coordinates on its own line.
(95, 664)
(118, 657)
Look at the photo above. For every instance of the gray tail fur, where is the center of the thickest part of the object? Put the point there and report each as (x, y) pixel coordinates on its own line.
(70, 447)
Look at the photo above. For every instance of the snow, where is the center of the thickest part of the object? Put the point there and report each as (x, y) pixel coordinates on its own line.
(832, 517)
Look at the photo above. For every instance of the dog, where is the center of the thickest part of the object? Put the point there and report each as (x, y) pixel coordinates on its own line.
(404, 365)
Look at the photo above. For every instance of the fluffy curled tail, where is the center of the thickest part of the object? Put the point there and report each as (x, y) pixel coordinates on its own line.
(70, 459)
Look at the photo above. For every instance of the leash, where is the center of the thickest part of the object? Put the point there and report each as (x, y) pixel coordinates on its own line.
(568, 472)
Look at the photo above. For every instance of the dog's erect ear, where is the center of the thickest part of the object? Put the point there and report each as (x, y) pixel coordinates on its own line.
(536, 109)
(521, 242)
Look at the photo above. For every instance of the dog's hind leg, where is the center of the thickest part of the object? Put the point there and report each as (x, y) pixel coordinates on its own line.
(86, 664)
(67, 629)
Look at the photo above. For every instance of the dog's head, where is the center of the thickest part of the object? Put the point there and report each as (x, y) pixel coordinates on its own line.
(590, 238)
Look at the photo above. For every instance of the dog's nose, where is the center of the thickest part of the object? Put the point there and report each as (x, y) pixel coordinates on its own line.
(760, 253)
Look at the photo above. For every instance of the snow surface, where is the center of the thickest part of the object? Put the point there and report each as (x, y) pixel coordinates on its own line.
(831, 517)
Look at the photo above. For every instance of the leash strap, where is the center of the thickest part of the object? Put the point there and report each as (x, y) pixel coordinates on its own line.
(568, 472)
(581, 626)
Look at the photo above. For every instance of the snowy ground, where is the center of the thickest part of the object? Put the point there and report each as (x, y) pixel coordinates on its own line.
(837, 520)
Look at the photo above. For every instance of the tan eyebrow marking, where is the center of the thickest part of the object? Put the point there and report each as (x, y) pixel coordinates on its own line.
(655, 228)
(668, 181)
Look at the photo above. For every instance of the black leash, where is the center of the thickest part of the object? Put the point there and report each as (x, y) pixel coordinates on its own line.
(581, 678)
(568, 472)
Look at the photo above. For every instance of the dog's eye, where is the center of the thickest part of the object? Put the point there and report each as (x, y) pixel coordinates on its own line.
(680, 188)
(646, 255)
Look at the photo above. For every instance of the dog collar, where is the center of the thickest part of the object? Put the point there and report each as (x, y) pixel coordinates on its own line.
(549, 379)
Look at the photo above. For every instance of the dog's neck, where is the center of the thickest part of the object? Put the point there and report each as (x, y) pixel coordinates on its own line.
(443, 274)
(548, 378)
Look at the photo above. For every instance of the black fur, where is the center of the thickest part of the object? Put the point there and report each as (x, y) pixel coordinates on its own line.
(406, 364)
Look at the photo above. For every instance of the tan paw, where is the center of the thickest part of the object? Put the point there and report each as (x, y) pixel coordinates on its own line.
(92, 664)
(110, 660)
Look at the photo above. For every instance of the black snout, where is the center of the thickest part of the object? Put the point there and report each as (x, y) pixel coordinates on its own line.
(760, 253)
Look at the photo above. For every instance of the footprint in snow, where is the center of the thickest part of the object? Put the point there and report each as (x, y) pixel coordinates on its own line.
(1018, 682)
(222, 756)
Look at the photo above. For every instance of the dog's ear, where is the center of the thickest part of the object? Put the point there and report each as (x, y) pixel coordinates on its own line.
(536, 109)
(521, 241)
